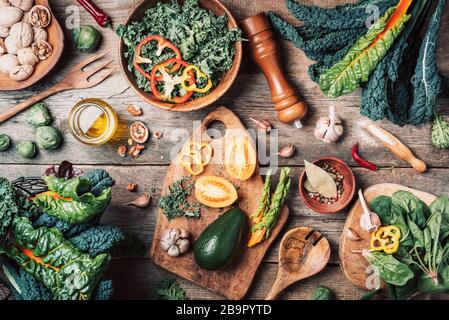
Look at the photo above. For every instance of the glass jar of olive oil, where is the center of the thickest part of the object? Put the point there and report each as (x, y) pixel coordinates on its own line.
(93, 121)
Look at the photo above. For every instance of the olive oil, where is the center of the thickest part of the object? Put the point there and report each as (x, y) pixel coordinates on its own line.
(93, 121)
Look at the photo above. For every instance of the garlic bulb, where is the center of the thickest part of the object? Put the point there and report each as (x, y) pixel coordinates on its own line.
(329, 128)
(175, 241)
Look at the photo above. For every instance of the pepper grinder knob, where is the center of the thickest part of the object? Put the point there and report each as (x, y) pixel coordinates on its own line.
(265, 53)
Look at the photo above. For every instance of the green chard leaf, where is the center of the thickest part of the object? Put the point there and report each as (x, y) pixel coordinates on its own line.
(427, 81)
(362, 58)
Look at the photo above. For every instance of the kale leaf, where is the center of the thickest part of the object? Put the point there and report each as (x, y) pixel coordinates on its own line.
(440, 132)
(169, 289)
(426, 81)
(203, 38)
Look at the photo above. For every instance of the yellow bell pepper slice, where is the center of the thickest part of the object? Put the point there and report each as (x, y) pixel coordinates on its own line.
(192, 162)
(386, 239)
(199, 75)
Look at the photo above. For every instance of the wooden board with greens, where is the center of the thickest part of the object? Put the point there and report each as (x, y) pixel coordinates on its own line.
(419, 263)
(227, 269)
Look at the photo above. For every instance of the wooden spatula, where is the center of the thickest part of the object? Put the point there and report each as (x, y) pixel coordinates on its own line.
(302, 254)
(77, 78)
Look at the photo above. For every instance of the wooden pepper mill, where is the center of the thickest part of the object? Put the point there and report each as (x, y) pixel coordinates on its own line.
(265, 52)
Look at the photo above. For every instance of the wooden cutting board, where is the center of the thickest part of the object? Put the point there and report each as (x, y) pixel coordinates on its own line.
(234, 281)
(354, 265)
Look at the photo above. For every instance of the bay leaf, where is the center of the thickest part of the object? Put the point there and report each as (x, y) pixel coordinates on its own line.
(308, 186)
(320, 180)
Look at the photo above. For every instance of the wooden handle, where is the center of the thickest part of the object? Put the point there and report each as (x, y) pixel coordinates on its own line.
(397, 147)
(265, 52)
(28, 103)
(282, 281)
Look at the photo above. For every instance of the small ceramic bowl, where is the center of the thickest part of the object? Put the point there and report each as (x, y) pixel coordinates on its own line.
(226, 80)
(348, 187)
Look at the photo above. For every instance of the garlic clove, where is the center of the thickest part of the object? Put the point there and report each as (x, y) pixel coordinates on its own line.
(173, 251)
(141, 201)
(287, 151)
(352, 234)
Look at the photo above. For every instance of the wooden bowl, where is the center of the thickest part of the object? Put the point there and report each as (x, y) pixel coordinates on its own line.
(348, 186)
(56, 40)
(226, 81)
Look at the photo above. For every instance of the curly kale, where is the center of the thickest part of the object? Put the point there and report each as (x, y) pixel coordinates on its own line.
(69, 230)
(440, 132)
(8, 206)
(347, 16)
(169, 289)
(104, 290)
(202, 37)
(100, 180)
(98, 239)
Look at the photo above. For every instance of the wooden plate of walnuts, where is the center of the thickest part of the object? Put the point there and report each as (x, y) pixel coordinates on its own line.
(31, 42)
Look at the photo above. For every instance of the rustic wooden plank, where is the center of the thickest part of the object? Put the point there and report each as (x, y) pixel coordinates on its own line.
(255, 103)
(142, 275)
(248, 97)
(142, 221)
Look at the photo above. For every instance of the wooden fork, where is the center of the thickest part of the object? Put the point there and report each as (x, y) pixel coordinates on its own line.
(77, 78)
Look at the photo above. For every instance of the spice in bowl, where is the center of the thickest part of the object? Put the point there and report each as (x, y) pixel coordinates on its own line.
(324, 183)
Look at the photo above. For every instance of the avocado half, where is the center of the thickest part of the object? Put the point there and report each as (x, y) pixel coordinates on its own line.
(219, 242)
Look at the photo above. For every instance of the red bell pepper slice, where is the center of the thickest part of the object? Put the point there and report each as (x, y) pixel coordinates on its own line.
(165, 69)
(162, 44)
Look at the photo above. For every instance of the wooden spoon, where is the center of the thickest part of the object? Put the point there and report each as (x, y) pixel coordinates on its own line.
(302, 254)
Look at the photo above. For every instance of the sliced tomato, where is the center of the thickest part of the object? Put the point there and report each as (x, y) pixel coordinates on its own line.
(215, 192)
(240, 158)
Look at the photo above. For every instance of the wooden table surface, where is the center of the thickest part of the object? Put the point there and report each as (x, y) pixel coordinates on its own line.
(134, 275)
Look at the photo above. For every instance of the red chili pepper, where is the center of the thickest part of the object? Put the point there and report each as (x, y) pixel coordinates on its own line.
(167, 67)
(100, 16)
(362, 162)
(161, 45)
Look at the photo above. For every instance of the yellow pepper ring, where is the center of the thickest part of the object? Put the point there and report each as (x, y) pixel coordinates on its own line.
(387, 237)
(199, 75)
(194, 163)
(197, 147)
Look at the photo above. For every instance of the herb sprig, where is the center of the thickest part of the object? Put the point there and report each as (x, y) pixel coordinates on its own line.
(175, 203)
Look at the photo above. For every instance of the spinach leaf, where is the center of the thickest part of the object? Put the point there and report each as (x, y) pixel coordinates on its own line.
(390, 269)
(416, 210)
(418, 235)
(441, 205)
(382, 206)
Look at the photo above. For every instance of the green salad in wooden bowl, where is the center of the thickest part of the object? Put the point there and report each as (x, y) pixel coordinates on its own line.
(180, 55)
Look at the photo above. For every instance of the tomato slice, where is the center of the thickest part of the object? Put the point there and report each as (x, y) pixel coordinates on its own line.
(215, 192)
(240, 158)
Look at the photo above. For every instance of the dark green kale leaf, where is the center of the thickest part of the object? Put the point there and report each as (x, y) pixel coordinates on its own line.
(169, 289)
(440, 132)
(347, 16)
(98, 239)
(426, 81)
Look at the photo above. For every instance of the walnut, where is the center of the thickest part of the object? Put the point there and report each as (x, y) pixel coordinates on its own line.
(40, 16)
(40, 34)
(135, 110)
(25, 5)
(122, 151)
(22, 34)
(139, 132)
(158, 134)
(27, 56)
(42, 49)
(134, 152)
(21, 73)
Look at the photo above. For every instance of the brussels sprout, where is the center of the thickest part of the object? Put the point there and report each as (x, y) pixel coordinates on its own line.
(38, 115)
(323, 293)
(5, 141)
(48, 138)
(26, 149)
(86, 38)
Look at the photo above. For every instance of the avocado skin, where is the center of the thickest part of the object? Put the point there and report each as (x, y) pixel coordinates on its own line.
(217, 245)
